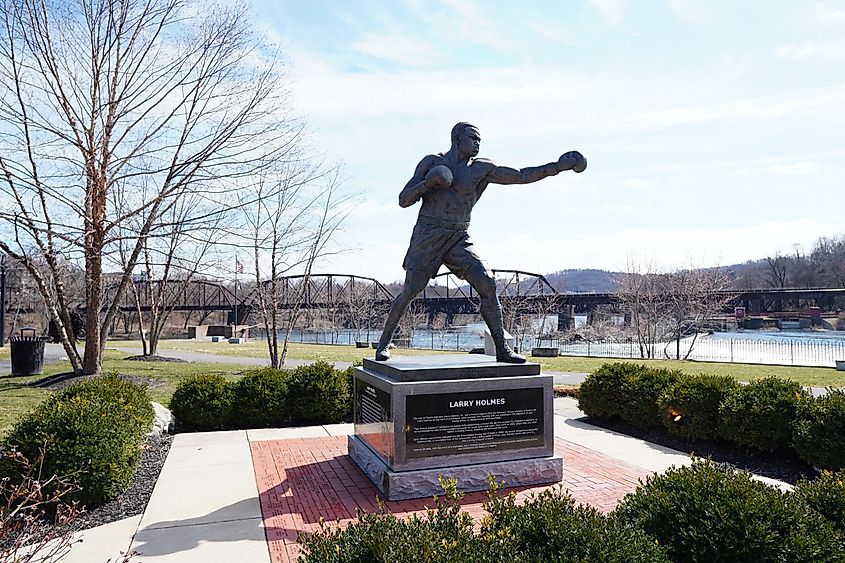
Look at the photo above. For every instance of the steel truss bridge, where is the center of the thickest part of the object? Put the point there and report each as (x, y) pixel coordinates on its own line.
(356, 297)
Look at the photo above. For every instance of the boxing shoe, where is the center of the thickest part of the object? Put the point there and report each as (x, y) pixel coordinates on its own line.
(383, 354)
(507, 355)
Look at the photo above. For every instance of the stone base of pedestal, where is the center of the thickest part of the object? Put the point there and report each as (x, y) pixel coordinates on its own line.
(423, 483)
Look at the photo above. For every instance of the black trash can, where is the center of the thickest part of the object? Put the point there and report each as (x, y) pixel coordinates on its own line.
(27, 352)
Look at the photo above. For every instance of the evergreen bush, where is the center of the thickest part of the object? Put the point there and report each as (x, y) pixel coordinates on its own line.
(260, 399)
(825, 495)
(819, 433)
(761, 414)
(710, 512)
(319, 394)
(690, 407)
(550, 526)
(644, 388)
(444, 534)
(603, 392)
(91, 433)
(203, 402)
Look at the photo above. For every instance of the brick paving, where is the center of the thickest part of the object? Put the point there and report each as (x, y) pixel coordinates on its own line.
(304, 481)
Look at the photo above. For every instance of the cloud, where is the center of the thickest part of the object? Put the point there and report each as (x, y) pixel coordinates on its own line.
(796, 169)
(398, 48)
(825, 12)
(832, 50)
(554, 33)
(611, 10)
(544, 250)
(689, 10)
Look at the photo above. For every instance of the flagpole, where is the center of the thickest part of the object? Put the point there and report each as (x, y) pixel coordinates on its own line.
(235, 328)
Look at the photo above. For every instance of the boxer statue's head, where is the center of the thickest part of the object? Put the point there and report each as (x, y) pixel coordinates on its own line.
(466, 140)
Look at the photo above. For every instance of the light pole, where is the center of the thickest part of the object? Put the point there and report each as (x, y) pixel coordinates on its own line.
(2, 300)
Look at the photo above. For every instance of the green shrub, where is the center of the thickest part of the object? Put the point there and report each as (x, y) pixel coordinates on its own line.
(690, 407)
(819, 433)
(203, 402)
(761, 414)
(91, 432)
(639, 406)
(318, 394)
(549, 526)
(444, 534)
(260, 399)
(602, 393)
(825, 495)
(710, 512)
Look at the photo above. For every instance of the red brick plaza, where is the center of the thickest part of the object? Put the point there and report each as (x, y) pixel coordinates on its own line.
(301, 481)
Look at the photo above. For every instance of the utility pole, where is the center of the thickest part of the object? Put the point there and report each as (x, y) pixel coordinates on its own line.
(2, 300)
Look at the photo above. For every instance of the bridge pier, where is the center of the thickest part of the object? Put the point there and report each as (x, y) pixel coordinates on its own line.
(566, 318)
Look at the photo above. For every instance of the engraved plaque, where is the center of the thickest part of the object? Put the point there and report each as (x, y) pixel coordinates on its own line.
(373, 418)
(474, 422)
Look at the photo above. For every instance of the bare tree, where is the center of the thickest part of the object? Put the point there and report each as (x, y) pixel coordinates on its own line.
(828, 256)
(664, 307)
(298, 209)
(691, 299)
(169, 263)
(640, 294)
(776, 273)
(112, 111)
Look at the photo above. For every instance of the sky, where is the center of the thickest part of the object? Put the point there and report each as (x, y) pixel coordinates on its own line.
(714, 132)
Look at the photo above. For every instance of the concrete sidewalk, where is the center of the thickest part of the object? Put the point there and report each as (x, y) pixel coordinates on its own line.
(206, 505)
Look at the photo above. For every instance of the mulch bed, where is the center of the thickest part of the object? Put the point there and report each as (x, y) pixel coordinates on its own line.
(134, 500)
(784, 465)
(62, 380)
(142, 358)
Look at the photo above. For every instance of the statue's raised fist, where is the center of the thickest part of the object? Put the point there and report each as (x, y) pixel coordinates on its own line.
(572, 160)
(439, 177)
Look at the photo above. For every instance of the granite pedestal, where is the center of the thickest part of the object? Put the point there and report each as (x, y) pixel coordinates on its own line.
(462, 416)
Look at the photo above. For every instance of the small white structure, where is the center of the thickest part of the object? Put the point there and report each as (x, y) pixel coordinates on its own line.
(490, 348)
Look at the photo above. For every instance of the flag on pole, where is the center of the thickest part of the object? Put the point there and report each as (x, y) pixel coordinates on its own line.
(239, 266)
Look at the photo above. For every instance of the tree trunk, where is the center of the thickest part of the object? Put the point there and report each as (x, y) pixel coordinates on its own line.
(92, 362)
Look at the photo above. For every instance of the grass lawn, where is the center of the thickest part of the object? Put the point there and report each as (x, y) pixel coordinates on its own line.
(16, 399)
(312, 352)
(817, 377)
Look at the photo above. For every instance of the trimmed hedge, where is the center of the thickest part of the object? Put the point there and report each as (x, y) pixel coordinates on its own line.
(444, 534)
(203, 402)
(626, 392)
(761, 414)
(91, 433)
(602, 393)
(260, 399)
(690, 407)
(701, 513)
(825, 495)
(318, 394)
(549, 526)
(640, 408)
(311, 394)
(819, 432)
(711, 512)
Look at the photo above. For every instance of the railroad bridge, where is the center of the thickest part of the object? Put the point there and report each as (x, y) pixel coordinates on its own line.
(356, 300)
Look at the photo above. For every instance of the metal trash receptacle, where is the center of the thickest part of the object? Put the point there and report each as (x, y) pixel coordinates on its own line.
(27, 352)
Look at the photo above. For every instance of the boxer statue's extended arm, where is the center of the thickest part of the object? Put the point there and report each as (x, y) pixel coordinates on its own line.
(572, 160)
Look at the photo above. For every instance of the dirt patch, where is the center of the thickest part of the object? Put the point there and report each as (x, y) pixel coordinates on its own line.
(62, 380)
(142, 358)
